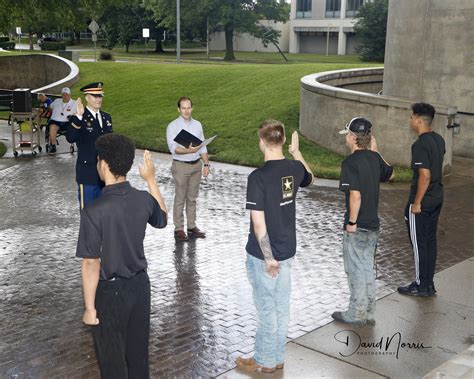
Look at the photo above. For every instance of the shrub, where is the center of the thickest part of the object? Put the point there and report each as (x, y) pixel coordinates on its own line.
(53, 46)
(4, 39)
(3, 149)
(7, 45)
(106, 56)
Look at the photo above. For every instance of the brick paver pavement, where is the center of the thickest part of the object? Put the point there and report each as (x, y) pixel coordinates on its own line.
(202, 309)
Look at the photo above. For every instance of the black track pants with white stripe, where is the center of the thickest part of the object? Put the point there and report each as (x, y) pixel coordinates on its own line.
(422, 228)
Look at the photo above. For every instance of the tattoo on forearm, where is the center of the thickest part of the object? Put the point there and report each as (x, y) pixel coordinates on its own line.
(264, 243)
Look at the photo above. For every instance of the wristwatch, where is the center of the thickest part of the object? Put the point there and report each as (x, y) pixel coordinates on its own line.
(351, 223)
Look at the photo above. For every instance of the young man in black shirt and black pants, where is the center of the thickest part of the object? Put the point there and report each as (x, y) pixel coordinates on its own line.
(361, 174)
(426, 199)
(271, 246)
(116, 285)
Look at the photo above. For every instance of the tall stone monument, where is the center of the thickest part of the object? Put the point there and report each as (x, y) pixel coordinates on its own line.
(430, 57)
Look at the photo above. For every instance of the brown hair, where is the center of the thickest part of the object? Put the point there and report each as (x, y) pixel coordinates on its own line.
(363, 140)
(184, 98)
(272, 132)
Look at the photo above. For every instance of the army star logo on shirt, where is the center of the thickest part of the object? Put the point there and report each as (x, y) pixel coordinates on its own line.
(287, 186)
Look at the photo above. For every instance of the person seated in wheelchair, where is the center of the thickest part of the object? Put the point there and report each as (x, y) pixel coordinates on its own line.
(43, 109)
(61, 110)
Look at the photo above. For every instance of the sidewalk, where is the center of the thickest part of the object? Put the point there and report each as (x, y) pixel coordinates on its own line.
(412, 337)
(203, 315)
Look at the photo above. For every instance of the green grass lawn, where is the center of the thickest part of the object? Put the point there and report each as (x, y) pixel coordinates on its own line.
(230, 100)
(138, 53)
(198, 55)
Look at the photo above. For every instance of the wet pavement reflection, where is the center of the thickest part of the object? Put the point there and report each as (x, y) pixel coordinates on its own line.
(202, 309)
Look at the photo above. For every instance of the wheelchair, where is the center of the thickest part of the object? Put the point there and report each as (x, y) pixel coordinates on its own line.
(61, 133)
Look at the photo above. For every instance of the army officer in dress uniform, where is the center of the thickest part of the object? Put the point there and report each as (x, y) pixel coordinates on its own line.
(85, 127)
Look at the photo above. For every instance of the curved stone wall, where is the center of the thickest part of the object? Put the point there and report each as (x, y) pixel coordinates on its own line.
(327, 104)
(39, 72)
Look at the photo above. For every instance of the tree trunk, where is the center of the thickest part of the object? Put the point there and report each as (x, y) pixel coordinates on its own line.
(78, 37)
(158, 45)
(127, 45)
(30, 37)
(229, 43)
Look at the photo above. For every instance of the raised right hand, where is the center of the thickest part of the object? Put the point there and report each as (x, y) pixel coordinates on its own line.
(79, 107)
(147, 170)
(373, 144)
(294, 147)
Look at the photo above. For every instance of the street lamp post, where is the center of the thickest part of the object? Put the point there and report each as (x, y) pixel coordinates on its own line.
(178, 32)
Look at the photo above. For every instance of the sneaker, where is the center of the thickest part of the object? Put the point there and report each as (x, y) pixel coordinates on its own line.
(341, 317)
(414, 289)
(52, 149)
(249, 364)
(196, 233)
(432, 289)
(180, 236)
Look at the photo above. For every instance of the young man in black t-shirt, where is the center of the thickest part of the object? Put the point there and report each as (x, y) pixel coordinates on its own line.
(271, 246)
(426, 199)
(116, 285)
(361, 174)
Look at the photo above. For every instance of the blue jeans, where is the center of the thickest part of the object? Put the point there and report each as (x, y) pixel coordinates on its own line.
(358, 251)
(272, 302)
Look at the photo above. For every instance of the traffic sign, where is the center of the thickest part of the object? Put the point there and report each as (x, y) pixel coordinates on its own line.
(94, 26)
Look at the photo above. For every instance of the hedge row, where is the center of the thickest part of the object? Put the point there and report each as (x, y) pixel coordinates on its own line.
(53, 46)
(7, 45)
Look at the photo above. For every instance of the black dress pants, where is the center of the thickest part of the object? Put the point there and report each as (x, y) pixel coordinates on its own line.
(422, 229)
(122, 336)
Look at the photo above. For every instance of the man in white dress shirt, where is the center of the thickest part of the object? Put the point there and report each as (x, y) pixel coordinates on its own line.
(186, 170)
(61, 110)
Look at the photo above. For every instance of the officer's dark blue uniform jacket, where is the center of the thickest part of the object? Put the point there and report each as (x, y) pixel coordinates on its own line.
(85, 137)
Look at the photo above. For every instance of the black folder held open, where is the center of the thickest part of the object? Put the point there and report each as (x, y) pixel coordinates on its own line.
(184, 138)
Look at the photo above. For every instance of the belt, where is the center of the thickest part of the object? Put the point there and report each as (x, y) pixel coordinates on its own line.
(188, 162)
(123, 278)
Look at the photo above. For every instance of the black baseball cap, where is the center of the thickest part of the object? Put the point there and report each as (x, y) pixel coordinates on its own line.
(357, 125)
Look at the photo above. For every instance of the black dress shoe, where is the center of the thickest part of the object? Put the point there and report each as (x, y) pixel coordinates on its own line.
(414, 289)
(196, 233)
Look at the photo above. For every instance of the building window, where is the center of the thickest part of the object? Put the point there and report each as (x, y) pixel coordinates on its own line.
(333, 8)
(303, 8)
(352, 7)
